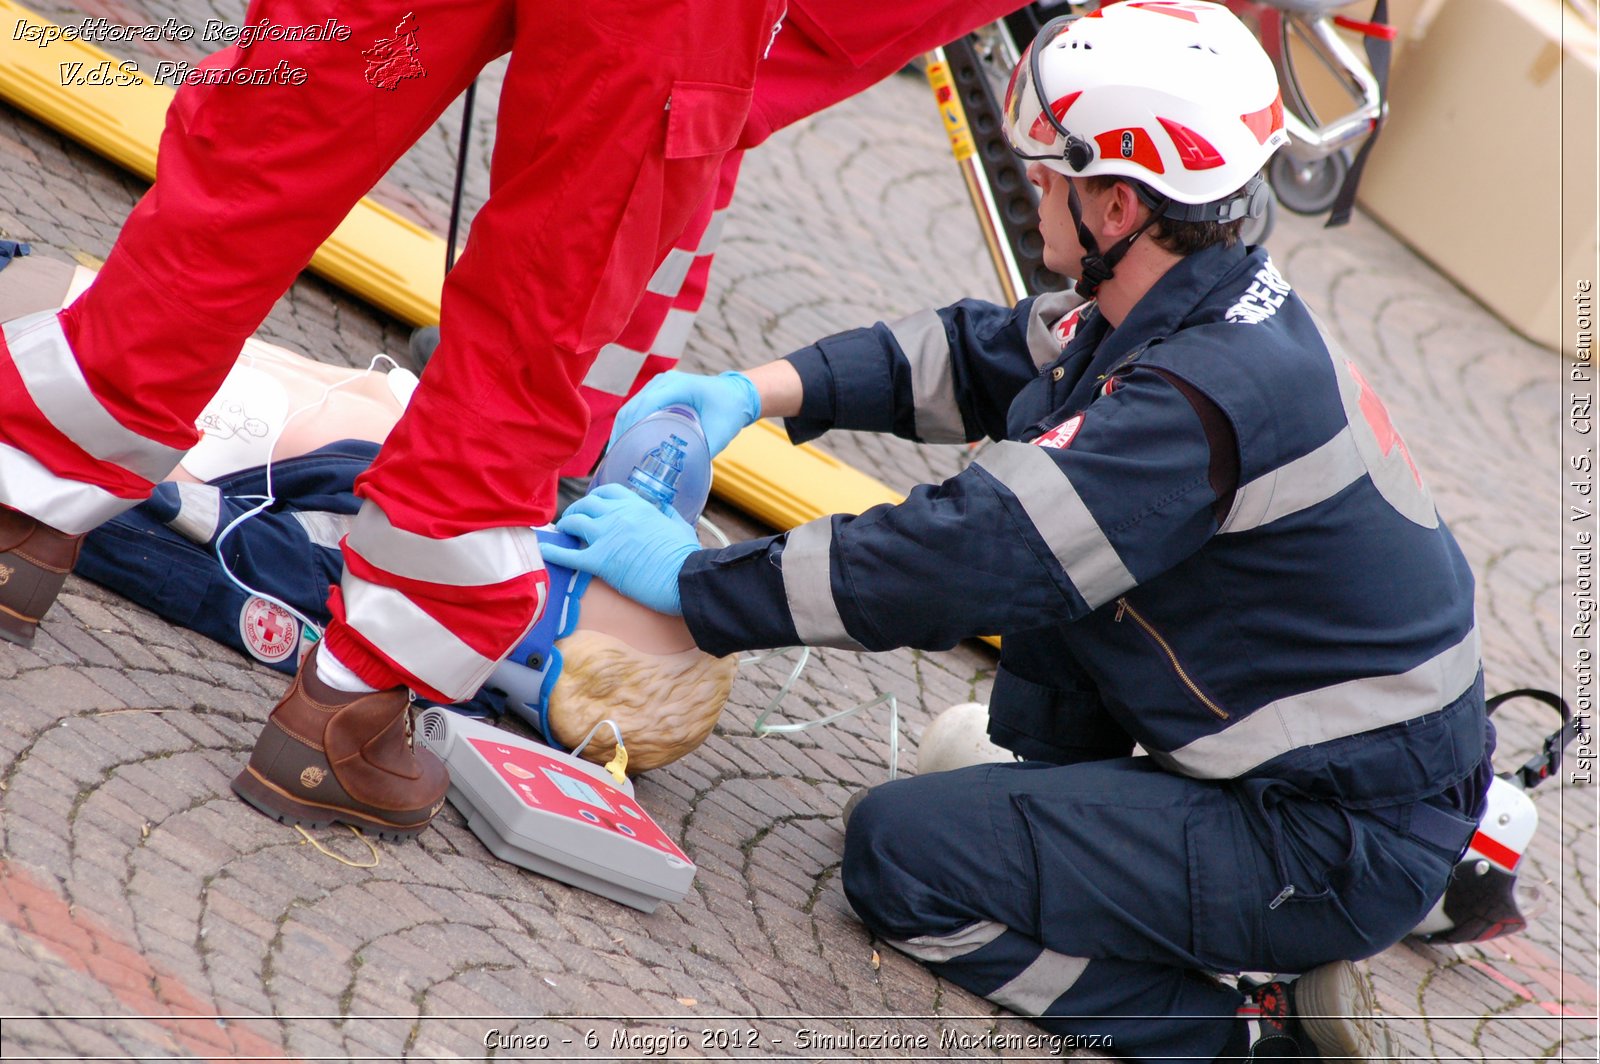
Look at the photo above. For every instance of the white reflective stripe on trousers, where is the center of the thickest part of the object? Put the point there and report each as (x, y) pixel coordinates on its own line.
(54, 381)
(68, 506)
(474, 559)
(936, 949)
(1037, 986)
(410, 637)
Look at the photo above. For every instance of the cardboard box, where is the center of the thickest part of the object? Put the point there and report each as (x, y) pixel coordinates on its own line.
(1487, 164)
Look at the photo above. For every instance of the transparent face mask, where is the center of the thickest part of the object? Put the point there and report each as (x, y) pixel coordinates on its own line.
(1047, 139)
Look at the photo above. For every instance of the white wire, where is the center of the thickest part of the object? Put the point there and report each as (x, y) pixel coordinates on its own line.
(762, 729)
(267, 500)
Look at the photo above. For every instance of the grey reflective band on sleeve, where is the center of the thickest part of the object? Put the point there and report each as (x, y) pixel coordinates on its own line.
(1297, 485)
(926, 345)
(1327, 713)
(936, 949)
(808, 587)
(50, 372)
(199, 512)
(475, 559)
(1038, 985)
(1042, 317)
(1060, 517)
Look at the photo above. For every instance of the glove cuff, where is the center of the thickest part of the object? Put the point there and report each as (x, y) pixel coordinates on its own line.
(751, 395)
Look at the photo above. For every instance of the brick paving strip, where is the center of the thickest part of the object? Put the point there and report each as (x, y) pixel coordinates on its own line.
(134, 889)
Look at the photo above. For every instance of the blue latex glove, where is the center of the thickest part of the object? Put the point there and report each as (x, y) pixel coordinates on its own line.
(630, 545)
(725, 404)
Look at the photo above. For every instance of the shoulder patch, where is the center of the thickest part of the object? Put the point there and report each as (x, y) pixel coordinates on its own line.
(1060, 437)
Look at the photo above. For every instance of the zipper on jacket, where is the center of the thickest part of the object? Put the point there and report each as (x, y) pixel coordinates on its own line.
(1172, 658)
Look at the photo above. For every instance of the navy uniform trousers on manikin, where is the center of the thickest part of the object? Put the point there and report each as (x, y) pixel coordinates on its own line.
(1197, 532)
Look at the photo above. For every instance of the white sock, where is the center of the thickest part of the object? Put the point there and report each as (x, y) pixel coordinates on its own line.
(337, 675)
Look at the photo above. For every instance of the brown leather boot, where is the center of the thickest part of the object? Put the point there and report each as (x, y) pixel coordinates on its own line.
(328, 755)
(34, 562)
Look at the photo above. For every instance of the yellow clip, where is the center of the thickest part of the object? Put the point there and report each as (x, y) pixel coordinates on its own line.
(618, 765)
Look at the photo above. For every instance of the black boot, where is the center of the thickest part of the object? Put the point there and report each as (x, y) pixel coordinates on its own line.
(1326, 1013)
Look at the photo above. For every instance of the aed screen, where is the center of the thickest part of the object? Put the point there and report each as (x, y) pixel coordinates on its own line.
(577, 790)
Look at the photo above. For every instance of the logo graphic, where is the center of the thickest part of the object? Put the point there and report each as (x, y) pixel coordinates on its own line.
(1383, 429)
(1067, 327)
(393, 59)
(1127, 143)
(5, 574)
(270, 633)
(1262, 299)
(312, 776)
(1060, 437)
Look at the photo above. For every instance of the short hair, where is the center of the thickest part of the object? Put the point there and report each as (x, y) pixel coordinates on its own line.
(1180, 238)
(665, 704)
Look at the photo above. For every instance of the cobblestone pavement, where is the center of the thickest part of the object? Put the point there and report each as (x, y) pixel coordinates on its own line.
(139, 900)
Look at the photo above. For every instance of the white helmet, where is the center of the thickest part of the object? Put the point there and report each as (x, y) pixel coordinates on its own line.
(1176, 95)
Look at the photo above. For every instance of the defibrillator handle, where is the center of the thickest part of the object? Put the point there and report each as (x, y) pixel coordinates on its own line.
(1547, 762)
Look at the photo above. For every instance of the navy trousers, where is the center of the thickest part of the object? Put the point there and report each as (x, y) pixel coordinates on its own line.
(1097, 897)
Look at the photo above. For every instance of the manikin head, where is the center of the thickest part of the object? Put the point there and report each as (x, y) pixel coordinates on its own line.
(641, 669)
(596, 655)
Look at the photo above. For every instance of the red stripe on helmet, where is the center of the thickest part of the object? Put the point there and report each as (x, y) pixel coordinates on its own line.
(1041, 130)
(1161, 7)
(1267, 121)
(1194, 151)
(1132, 144)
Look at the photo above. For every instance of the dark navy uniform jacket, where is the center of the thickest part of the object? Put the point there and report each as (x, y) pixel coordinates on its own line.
(1198, 531)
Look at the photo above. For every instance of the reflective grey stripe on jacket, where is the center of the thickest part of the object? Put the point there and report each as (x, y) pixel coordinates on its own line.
(1344, 709)
(50, 372)
(808, 587)
(926, 347)
(1060, 517)
(1352, 453)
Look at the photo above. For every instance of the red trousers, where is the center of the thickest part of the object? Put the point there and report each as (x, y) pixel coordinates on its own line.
(613, 122)
(827, 51)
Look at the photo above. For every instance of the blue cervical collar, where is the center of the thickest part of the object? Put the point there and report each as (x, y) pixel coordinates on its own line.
(535, 664)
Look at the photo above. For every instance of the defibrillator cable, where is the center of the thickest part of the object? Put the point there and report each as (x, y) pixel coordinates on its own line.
(270, 497)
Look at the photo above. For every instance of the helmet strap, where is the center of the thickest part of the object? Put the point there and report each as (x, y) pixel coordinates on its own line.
(1098, 267)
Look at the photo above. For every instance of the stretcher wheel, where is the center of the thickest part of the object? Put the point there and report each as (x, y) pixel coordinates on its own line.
(1308, 186)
